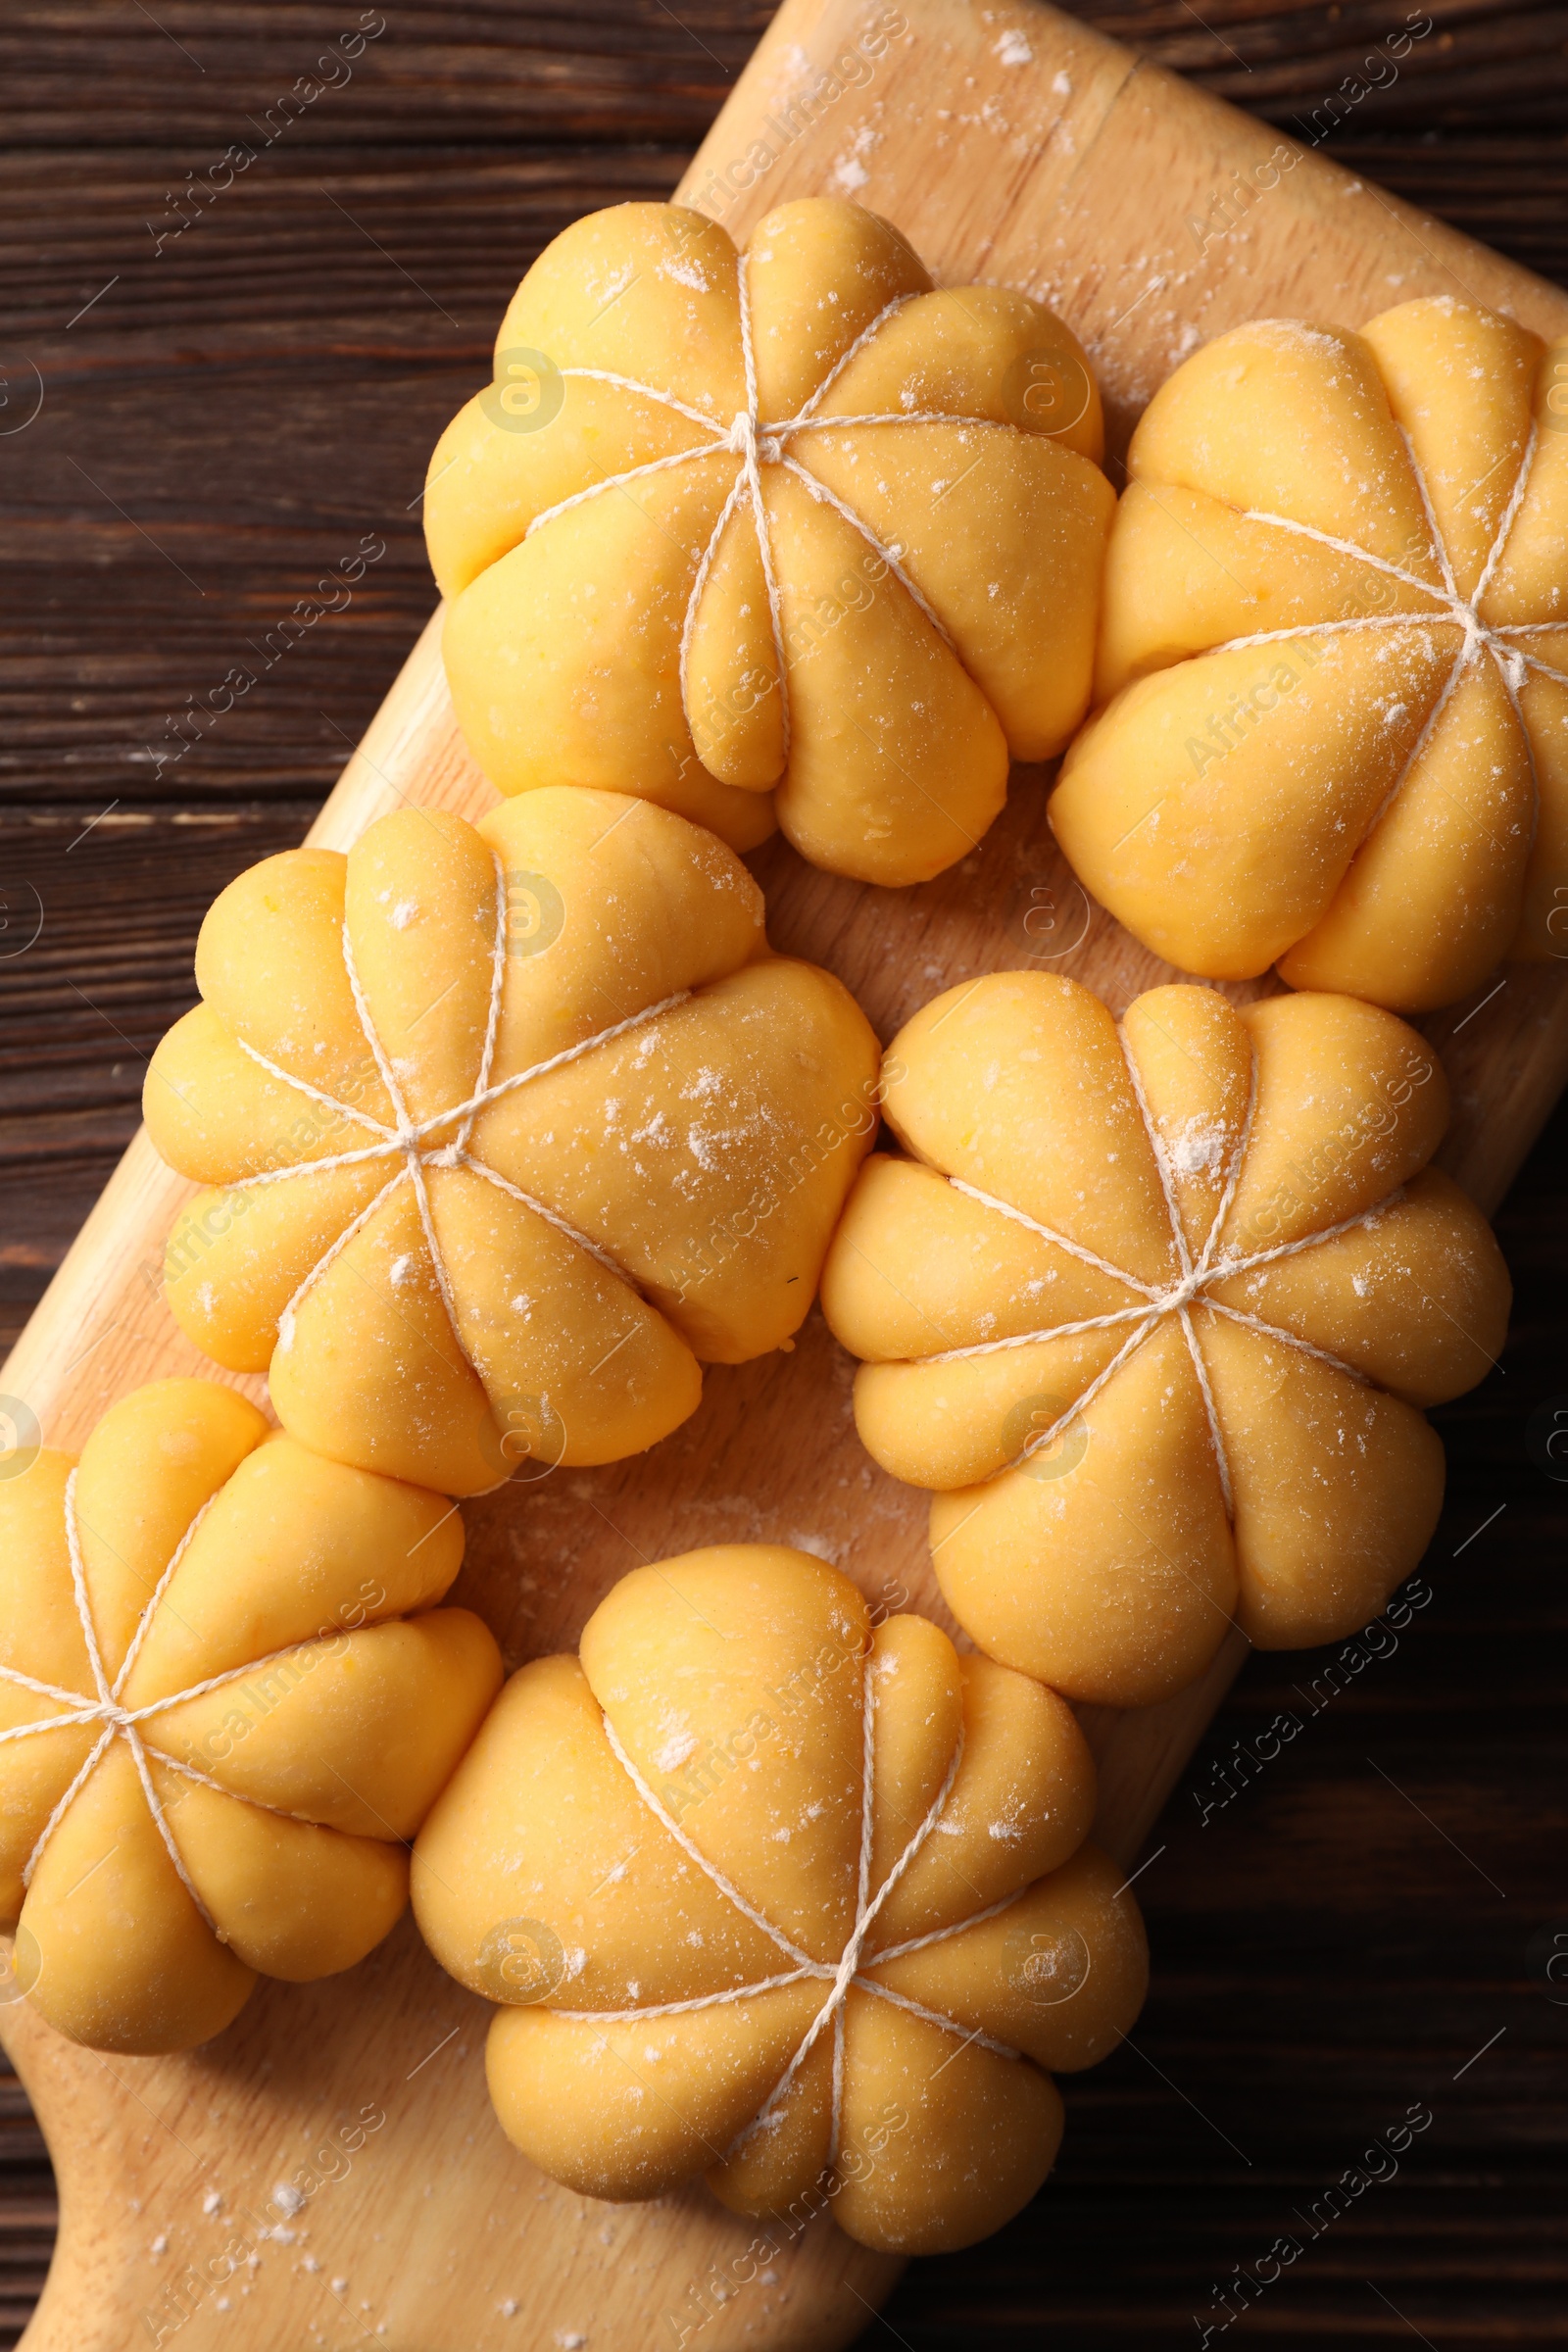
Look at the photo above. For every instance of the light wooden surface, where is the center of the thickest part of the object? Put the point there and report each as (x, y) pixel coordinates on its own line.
(1009, 144)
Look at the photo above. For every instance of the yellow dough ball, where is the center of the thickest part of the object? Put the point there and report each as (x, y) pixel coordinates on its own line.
(226, 1699)
(1335, 646)
(511, 1129)
(789, 529)
(1154, 1310)
(778, 1898)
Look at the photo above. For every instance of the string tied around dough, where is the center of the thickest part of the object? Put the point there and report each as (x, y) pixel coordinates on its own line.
(751, 441)
(756, 442)
(411, 1142)
(1503, 641)
(106, 1706)
(841, 1975)
(1191, 1287)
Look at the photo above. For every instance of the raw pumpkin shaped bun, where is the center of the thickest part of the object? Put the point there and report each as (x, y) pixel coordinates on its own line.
(1154, 1311)
(780, 1900)
(512, 1128)
(226, 1697)
(1335, 643)
(787, 530)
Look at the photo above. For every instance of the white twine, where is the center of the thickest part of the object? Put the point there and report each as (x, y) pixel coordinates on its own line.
(825, 497)
(709, 552)
(1455, 611)
(840, 1976)
(1183, 1260)
(410, 1140)
(120, 1722)
(744, 438)
(755, 443)
(1191, 1288)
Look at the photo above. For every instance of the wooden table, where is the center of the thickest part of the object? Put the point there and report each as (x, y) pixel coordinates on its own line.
(1357, 1928)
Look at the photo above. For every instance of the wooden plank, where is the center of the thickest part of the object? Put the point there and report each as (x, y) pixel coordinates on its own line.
(1072, 172)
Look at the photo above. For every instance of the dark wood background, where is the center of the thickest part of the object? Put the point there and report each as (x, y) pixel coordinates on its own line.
(221, 423)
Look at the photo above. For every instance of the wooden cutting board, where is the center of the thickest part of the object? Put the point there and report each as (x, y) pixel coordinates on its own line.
(1009, 144)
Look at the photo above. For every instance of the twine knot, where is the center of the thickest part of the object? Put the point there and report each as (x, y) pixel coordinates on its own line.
(1476, 631)
(751, 441)
(106, 1710)
(1183, 1292)
(840, 1976)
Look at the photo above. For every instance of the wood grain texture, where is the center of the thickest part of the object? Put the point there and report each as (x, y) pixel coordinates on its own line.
(384, 354)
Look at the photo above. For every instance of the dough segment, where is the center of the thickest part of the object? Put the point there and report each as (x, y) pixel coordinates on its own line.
(227, 1695)
(509, 1129)
(782, 530)
(1153, 1308)
(775, 1896)
(1330, 682)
